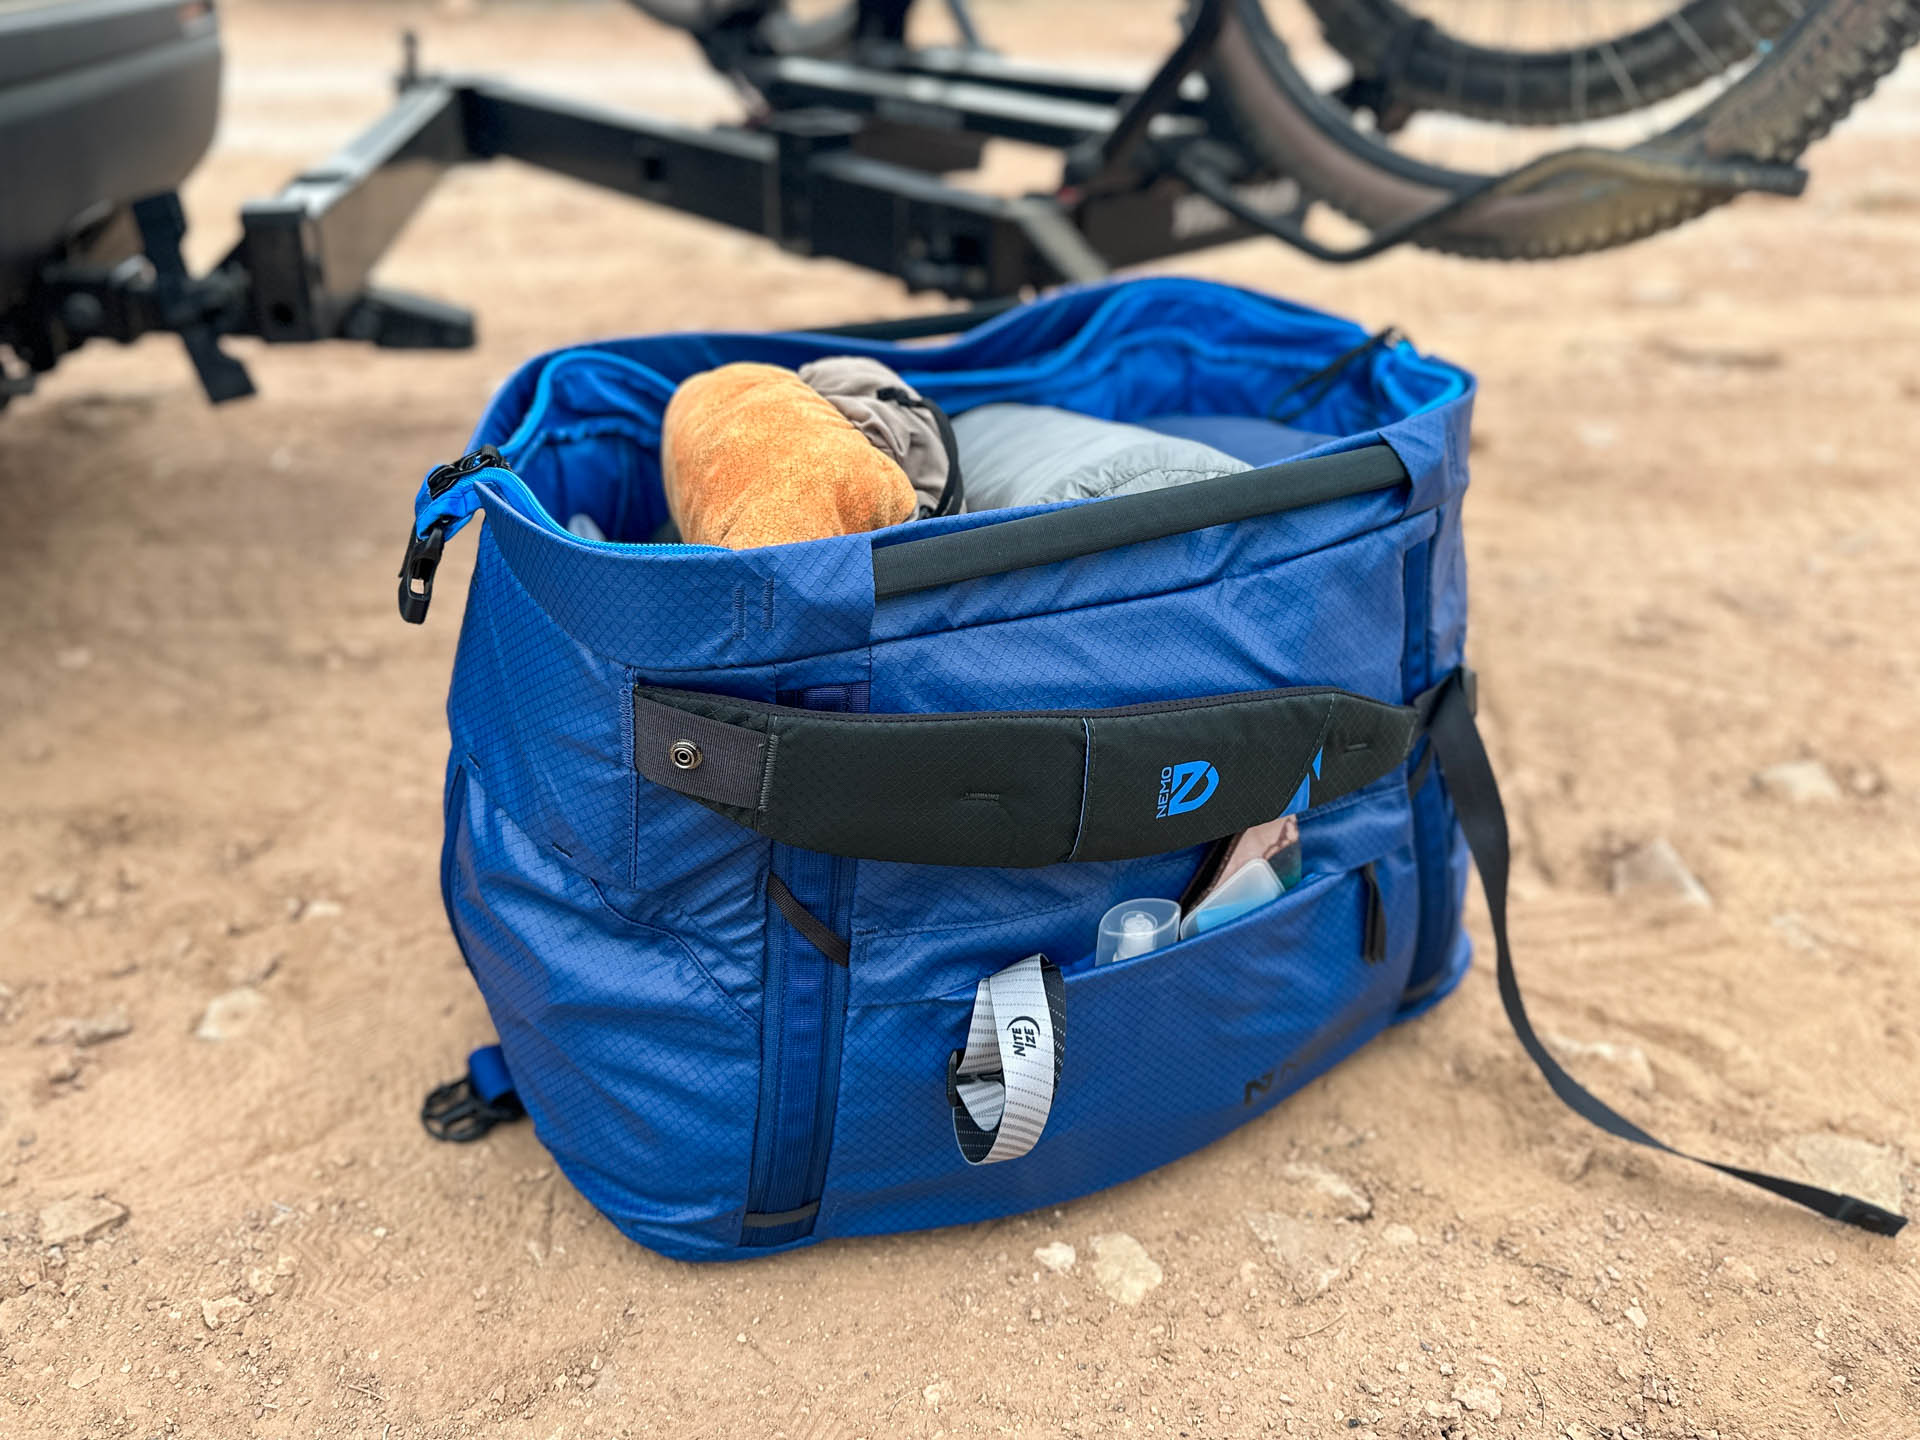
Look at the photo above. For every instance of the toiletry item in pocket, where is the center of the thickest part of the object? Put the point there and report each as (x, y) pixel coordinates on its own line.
(1277, 842)
(1133, 927)
(1247, 888)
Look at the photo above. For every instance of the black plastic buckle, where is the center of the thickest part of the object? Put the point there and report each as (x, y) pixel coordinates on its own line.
(455, 1114)
(954, 1077)
(416, 570)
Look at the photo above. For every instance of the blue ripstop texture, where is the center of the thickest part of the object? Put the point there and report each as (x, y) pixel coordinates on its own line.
(703, 1075)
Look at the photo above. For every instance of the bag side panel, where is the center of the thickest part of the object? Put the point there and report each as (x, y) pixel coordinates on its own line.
(640, 1073)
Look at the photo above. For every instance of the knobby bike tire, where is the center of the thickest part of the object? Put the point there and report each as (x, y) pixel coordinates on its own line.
(1822, 66)
(1419, 65)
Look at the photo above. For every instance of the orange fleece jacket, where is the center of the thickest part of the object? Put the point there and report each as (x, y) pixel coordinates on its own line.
(753, 455)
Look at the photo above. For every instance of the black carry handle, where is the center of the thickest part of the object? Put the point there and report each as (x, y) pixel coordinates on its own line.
(1016, 788)
(1073, 531)
(1476, 798)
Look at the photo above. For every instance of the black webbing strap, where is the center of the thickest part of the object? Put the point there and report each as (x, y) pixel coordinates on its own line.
(816, 931)
(1476, 799)
(1016, 788)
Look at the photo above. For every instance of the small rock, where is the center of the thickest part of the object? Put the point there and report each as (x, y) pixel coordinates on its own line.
(1122, 1268)
(1630, 1060)
(1659, 293)
(90, 1030)
(936, 1395)
(1794, 930)
(1738, 1271)
(1636, 1315)
(321, 910)
(1655, 869)
(63, 1067)
(1865, 781)
(1058, 1256)
(224, 1311)
(1598, 434)
(1799, 782)
(246, 973)
(1331, 1195)
(85, 1376)
(1312, 1254)
(73, 657)
(1481, 1399)
(1574, 1161)
(1854, 1167)
(80, 1218)
(231, 1015)
(1401, 1237)
(59, 894)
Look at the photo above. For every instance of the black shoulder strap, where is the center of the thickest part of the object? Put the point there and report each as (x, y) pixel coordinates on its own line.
(1476, 798)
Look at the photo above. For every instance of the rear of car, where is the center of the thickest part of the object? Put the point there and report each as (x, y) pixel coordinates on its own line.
(102, 102)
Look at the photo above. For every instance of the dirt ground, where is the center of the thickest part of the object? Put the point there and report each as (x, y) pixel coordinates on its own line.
(1692, 537)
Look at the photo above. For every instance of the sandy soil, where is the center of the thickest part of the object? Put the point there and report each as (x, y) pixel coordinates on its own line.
(1692, 538)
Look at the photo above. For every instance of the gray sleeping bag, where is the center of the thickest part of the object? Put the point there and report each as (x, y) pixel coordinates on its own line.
(1034, 454)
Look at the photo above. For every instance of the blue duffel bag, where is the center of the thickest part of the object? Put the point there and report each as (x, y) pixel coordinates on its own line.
(780, 869)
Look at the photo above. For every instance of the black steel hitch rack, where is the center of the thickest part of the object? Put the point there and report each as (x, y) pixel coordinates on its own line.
(847, 159)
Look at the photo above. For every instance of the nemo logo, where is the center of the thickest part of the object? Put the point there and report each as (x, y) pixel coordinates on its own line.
(1186, 786)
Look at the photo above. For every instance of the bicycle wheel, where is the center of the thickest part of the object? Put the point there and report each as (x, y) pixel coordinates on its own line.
(1817, 70)
(765, 27)
(1545, 64)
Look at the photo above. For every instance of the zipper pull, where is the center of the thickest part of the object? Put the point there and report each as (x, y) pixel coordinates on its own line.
(1373, 934)
(443, 478)
(423, 551)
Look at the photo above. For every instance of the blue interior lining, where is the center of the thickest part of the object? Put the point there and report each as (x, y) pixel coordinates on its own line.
(581, 427)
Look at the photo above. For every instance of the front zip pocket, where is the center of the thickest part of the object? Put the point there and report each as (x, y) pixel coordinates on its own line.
(802, 1018)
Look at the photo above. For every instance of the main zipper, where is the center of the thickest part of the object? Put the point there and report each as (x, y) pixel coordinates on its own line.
(425, 547)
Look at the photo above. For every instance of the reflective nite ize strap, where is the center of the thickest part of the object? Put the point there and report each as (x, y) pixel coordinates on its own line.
(1002, 1085)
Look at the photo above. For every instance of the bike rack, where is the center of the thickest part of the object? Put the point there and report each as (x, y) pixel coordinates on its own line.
(847, 159)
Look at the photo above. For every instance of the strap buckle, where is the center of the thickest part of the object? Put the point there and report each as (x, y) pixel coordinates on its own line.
(454, 1112)
(417, 567)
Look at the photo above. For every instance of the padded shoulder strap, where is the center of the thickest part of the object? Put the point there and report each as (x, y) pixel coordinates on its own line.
(1476, 798)
(1017, 788)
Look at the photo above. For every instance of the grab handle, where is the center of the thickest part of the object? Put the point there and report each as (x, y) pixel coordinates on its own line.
(1017, 788)
(1071, 531)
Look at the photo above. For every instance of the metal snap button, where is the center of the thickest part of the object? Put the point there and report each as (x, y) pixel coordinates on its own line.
(684, 754)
